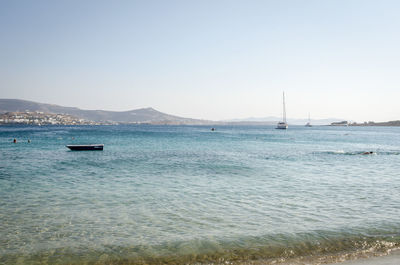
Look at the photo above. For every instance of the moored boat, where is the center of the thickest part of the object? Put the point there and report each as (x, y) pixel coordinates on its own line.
(283, 124)
(308, 124)
(86, 147)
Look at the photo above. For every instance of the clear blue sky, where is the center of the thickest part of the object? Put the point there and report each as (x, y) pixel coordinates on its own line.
(206, 59)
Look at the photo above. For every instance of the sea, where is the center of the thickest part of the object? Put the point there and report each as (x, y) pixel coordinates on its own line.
(189, 195)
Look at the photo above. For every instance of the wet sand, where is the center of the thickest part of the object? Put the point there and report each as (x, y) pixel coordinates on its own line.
(392, 259)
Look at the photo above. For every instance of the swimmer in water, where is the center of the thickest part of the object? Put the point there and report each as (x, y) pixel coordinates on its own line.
(368, 153)
(15, 141)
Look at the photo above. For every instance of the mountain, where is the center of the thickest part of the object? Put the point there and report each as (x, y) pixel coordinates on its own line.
(145, 115)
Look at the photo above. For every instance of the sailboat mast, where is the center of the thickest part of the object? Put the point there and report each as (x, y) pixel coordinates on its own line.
(284, 108)
(282, 124)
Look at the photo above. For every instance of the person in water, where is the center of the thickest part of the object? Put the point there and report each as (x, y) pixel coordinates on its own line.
(368, 153)
(15, 141)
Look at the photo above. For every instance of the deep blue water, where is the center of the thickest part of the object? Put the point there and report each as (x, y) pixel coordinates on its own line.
(184, 194)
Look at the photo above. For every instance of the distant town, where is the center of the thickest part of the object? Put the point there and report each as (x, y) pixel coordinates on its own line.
(40, 118)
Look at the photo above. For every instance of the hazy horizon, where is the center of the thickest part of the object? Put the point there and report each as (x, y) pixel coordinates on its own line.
(206, 60)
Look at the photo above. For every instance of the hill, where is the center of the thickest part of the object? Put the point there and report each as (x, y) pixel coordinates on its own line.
(144, 115)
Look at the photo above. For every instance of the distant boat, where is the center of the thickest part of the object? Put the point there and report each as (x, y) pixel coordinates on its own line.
(309, 121)
(282, 124)
(86, 147)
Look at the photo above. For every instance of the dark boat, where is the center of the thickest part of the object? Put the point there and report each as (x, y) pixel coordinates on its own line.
(86, 147)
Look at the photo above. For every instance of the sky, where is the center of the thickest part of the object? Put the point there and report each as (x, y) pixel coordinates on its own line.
(208, 59)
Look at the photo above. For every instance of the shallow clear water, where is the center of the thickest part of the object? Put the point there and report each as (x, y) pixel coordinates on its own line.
(184, 194)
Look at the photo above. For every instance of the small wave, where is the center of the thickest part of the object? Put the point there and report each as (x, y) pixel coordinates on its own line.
(352, 153)
(279, 249)
(348, 153)
(338, 152)
(389, 153)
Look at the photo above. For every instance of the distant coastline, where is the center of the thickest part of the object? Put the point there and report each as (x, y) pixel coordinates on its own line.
(29, 109)
(369, 123)
(16, 111)
(40, 118)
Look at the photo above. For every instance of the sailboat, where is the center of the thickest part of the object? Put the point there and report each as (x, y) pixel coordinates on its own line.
(282, 124)
(309, 122)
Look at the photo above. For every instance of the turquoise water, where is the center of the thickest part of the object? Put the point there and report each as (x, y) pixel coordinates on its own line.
(184, 194)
